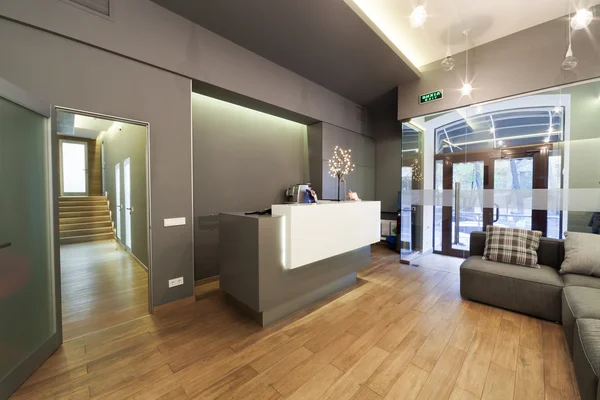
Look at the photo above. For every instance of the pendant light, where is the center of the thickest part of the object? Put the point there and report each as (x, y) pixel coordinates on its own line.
(448, 62)
(570, 61)
(583, 17)
(467, 88)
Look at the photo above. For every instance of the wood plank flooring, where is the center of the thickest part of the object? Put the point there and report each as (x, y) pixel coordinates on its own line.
(102, 286)
(401, 333)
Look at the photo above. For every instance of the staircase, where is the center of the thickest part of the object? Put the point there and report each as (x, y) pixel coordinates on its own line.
(84, 219)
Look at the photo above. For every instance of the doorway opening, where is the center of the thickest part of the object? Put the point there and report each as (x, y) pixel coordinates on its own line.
(103, 220)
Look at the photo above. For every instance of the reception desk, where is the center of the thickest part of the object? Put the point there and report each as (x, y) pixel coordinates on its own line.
(271, 266)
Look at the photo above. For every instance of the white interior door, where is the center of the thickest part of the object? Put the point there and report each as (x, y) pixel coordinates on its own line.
(127, 193)
(118, 198)
(73, 168)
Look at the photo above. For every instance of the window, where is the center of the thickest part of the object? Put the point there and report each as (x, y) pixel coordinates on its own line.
(506, 128)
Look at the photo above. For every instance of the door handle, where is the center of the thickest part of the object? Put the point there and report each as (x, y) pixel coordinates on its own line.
(456, 212)
(5, 245)
(130, 209)
(497, 213)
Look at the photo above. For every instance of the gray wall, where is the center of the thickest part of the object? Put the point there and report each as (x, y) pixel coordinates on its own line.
(323, 138)
(243, 161)
(145, 31)
(387, 131)
(128, 142)
(523, 62)
(71, 74)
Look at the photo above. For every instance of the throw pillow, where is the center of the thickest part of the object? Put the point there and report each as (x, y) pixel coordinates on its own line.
(582, 254)
(512, 246)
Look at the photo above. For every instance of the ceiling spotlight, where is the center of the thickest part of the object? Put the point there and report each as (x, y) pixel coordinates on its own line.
(582, 19)
(418, 17)
(466, 89)
(570, 61)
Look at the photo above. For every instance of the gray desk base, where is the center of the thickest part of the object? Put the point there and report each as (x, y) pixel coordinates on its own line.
(252, 273)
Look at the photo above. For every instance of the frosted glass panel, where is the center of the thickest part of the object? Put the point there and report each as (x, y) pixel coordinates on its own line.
(74, 167)
(27, 314)
(127, 193)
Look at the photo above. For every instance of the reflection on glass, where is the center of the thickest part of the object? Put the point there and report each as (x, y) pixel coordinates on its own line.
(27, 314)
(406, 212)
(554, 183)
(513, 180)
(470, 177)
(437, 209)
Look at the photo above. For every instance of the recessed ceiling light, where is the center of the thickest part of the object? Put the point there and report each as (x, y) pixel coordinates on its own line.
(466, 89)
(581, 19)
(418, 17)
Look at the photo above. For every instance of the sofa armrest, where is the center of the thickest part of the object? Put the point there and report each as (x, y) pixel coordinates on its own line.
(477, 243)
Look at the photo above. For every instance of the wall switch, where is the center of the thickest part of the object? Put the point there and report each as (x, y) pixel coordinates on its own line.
(176, 282)
(174, 221)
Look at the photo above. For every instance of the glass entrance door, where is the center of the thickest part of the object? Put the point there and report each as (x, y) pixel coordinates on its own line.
(489, 187)
(29, 284)
(118, 198)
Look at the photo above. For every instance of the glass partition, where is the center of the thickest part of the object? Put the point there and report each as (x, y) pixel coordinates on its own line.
(529, 162)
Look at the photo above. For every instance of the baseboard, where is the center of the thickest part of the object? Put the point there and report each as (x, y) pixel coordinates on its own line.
(131, 254)
(206, 281)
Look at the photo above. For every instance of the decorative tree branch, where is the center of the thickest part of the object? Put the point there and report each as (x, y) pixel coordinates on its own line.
(340, 165)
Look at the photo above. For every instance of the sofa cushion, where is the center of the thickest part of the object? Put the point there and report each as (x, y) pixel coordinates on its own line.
(530, 291)
(581, 280)
(582, 254)
(512, 246)
(586, 357)
(578, 302)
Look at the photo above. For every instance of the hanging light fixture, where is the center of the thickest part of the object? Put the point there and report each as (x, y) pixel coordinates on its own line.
(448, 62)
(570, 61)
(418, 17)
(467, 88)
(583, 17)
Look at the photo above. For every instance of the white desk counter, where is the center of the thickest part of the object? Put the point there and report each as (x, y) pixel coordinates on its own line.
(314, 232)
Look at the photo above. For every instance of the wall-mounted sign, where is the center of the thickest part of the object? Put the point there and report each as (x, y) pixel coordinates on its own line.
(432, 96)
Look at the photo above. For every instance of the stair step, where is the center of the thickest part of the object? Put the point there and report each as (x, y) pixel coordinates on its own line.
(86, 238)
(83, 203)
(84, 225)
(100, 213)
(82, 208)
(81, 198)
(86, 232)
(84, 220)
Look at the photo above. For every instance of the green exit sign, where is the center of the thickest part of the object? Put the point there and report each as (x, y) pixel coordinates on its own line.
(429, 97)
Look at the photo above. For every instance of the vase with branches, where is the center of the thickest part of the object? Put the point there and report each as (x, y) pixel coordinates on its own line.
(340, 165)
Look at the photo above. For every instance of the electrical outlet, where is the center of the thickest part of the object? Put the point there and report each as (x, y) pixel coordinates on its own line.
(176, 282)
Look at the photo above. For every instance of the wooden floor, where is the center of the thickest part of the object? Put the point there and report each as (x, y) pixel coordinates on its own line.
(401, 333)
(102, 286)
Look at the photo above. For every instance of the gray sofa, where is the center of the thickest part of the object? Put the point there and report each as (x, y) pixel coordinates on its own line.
(573, 300)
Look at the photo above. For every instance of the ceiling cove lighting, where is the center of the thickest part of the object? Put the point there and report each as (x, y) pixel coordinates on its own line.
(418, 17)
(582, 19)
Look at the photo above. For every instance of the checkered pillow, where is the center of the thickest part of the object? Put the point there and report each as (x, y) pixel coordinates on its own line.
(512, 246)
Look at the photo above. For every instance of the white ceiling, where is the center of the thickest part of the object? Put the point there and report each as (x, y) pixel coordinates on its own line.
(82, 126)
(487, 20)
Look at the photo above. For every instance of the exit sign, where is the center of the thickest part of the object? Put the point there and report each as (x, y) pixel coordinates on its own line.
(432, 96)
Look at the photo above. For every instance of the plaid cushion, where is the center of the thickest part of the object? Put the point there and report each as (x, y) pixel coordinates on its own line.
(512, 246)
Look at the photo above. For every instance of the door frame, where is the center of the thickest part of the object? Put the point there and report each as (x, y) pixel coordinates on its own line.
(11, 382)
(62, 172)
(148, 183)
(539, 218)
